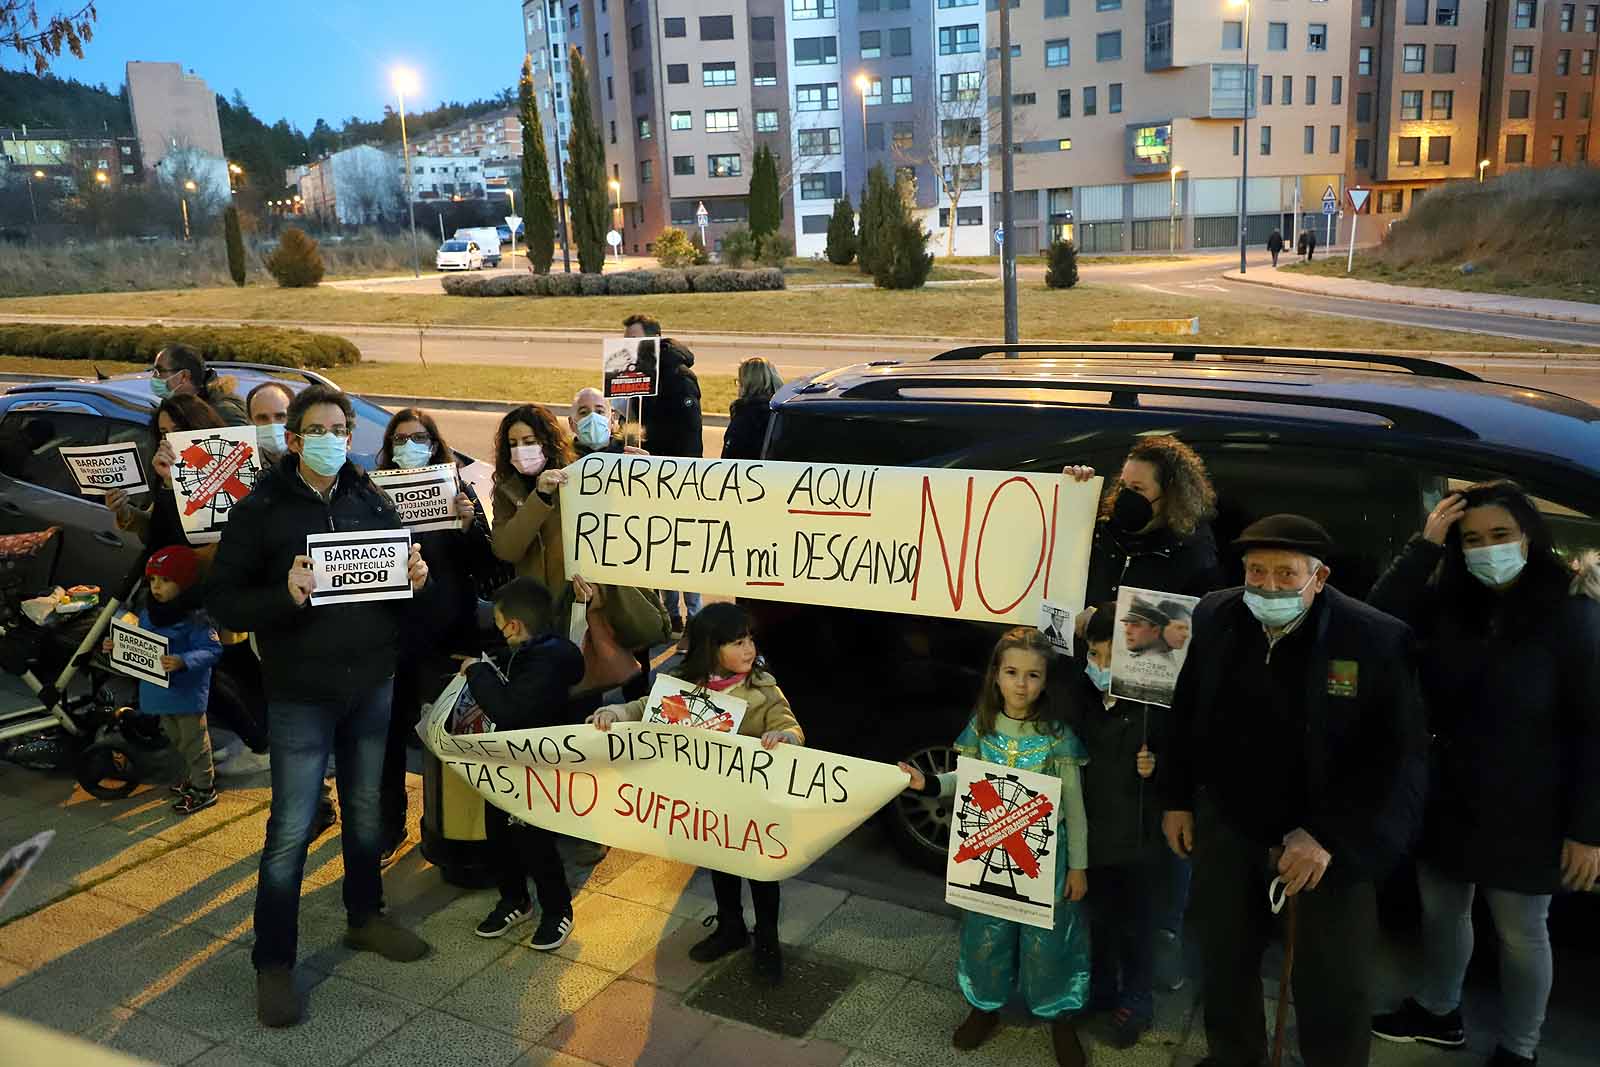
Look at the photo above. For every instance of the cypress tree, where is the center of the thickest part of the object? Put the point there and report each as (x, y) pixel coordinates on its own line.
(842, 233)
(766, 203)
(586, 173)
(538, 204)
(880, 206)
(235, 239)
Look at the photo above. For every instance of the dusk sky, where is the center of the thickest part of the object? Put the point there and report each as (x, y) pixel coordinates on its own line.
(305, 59)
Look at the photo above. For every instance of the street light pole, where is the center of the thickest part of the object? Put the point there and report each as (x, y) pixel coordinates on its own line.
(561, 175)
(1008, 232)
(1172, 223)
(616, 213)
(401, 79)
(189, 186)
(1244, 140)
(863, 83)
(33, 207)
(1483, 165)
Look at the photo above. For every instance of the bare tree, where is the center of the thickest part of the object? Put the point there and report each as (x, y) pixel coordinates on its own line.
(821, 152)
(369, 183)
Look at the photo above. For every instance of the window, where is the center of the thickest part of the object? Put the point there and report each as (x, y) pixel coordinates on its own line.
(1108, 5)
(900, 90)
(677, 74)
(875, 136)
(609, 88)
(1317, 37)
(1310, 139)
(1288, 90)
(1336, 97)
(723, 166)
(1447, 12)
(1311, 89)
(1567, 13)
(812, 51)
(1564, 62)
(900, 41)
(764, 74)
(963, 131)
(955, 40)
(1522, 59)
(1586, 108)
(767, 121)
(643, 129)
(867, 6)
(1108, 46)
(1266, 88)
(1557, 143)
(1114, 97)
(681, 120)
(716, 27)
(1416, 12)
(1410, 154)
(1364, 59)
(1517, 148)
(1016, 51)
(1442, 105)
(606, 39)
(763, 28)
(946, 4)
(1232, 36)
(42, 464)
(1333, 140)
(1391, 203)
(817, 97)
(1277, 36)
(1363, 153)
(1413, 58)
(823, 142)
(1090, 100)
(1560, 104)
(1058, 53)
(964, 86)
(1063, 103)
(874, 93)
(905, 136)
(871, 44)
(669, 27)
(1591, 18)
(640, 80)
(1411, 104)
(1517, 104)
(647, 171)
(1523, 19)
(812, 9)
(1586, 62)
(828, 186)
(683, 165)
(1580, 148)
(717, 74)
(1236, 140)
(1444, 59)
(1266, 140)
(1053, 9)
(970, 176)
(815, 223)
(1369, 10)
(1439, 150)
(965, 216)
(722, 120)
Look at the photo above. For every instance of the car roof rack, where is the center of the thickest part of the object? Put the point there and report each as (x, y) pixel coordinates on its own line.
(1189, 353)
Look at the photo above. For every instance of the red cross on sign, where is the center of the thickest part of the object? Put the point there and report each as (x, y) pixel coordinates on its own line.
(223, 473)
(1007, 830)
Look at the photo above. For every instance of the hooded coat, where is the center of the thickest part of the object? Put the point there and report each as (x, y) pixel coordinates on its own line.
(672, 416)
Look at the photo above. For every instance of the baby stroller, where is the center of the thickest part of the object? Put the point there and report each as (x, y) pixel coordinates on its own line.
(79, 722)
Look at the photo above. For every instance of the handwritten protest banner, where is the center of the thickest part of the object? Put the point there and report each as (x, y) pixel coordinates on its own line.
(984, 545)
(424, 496)
(630, 366)
(715, 800)
(1150, 644)
(349, 568)
(215, 469)
(673, 700)
(1004, 843)
(98, 469)
(137, 653)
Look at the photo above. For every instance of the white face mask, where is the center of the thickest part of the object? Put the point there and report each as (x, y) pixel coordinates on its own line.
(1496, 565)
(269, 439)
(529, 459)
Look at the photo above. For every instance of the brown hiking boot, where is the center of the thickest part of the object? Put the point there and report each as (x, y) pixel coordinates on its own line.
(277, 1000)
(387, 938)
(975, 1030)
(1064, 1036)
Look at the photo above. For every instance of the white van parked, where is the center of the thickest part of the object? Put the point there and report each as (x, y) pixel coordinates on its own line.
(487, 238)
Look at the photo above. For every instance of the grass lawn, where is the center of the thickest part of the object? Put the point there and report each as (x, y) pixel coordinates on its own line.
(1084, 313)
(1447, 276)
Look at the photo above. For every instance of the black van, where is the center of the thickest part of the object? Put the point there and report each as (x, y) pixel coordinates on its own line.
(1366, 444)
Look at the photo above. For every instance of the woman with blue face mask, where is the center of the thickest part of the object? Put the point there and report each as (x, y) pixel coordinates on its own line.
(1510, 664)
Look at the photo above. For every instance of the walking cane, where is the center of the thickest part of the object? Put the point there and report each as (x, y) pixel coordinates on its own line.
(1278, 898)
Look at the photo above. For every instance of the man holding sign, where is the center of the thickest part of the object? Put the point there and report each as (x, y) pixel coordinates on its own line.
(329, 674)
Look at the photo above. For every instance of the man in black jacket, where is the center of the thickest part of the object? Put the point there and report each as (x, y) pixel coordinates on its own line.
(1297, 736)
(329, 676)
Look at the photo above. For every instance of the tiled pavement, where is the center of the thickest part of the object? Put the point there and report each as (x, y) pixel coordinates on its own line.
(134, 933)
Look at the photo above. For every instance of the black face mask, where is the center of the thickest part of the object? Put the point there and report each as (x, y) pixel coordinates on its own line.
(1132, 512)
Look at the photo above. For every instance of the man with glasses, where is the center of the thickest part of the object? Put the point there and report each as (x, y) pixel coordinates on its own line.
(179, 370)
(329, 674)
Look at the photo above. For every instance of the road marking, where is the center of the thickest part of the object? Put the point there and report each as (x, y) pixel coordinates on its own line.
(1158, 289)
(1204, 285)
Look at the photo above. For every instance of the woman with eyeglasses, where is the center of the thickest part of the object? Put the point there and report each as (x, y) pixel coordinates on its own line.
(411, 440)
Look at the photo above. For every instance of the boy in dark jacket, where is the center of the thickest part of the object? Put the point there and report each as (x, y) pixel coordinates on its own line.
(526, 690)
(1125, 841)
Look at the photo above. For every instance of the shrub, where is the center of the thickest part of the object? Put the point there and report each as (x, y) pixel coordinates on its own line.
(776, 248)
(564, 284)
(701, 256)
(297, 263)
(902, 259)
(139, 344)
(674, 249)
(842, 233)
(592, 284)
(764, 279)
(630, 283)
(739, 247)
(880, 206)
(715, 280)
(668, 281)
(623, 283)
(1063, 272)
(235, 242)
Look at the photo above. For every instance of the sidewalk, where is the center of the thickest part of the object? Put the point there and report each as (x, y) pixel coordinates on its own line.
(1446, 299)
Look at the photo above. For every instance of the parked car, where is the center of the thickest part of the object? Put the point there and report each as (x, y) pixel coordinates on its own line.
(487, 239)
(505, 233)
(459, 255)
(1366, 444)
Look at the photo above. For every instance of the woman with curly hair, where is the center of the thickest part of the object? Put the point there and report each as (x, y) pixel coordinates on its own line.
(530, 452)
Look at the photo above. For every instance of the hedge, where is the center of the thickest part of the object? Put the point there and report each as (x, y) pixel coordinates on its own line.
(622, 283)
(139, 344)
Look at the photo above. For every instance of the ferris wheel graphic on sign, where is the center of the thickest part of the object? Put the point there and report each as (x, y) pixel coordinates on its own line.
(678, 703)
(213, 473)
(1009, 828)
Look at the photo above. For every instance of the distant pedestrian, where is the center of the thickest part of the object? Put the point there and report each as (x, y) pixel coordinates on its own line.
(1311, 245)
(750, 413)
(1300, 244)
(1275, 245)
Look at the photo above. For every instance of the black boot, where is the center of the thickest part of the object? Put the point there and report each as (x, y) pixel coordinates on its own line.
(729, 936)
(768, 955)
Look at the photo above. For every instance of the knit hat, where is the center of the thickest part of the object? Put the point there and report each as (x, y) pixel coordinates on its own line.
(176, 563)
(1293, 532)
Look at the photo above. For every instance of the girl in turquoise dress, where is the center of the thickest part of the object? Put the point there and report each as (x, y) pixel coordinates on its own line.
(1018, 723)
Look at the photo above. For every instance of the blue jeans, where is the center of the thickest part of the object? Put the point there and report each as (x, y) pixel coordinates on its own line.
(691, 604)
(1172, 891)
(1526, 966)
(303, 734)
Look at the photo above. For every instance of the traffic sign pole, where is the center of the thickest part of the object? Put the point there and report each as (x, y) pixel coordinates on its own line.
(1358, 198)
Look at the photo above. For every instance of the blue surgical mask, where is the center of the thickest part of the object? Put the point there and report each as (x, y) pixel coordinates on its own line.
(159, 387)
(1100, 676)
(325, 453)
(1496, 565)
(594, 430)
(1275, 610)
(411, 455)
(269, 439)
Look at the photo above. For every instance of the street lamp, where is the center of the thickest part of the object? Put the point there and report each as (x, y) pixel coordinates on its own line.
(234, 173)
(1244, 140)
(406, 80)
(38, 175)
(616, 215)
(1172, 223)
(1483, 165)
(190, 187)
(863, 83)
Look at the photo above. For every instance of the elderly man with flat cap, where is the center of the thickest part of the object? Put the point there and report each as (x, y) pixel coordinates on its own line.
(1297, 753)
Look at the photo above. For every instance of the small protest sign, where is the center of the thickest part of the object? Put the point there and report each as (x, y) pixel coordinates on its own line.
(630, 366)
(1150, 645)
(215, 469)
(424, 496)
(137, 653)
(98, 469)
(1055, 622)
(349, 568)
(19, 859)
(1005, 843)
(674, 701)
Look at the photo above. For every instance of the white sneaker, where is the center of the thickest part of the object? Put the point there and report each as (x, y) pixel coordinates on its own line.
(244, 762)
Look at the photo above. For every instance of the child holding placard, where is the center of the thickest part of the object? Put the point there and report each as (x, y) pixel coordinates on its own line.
(1020, 723)
(722, 657)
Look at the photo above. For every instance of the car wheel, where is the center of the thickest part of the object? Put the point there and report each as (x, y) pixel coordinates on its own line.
(107, 771)
(920, 825)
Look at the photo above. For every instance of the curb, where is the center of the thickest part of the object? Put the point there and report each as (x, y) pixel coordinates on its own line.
(1235, 276)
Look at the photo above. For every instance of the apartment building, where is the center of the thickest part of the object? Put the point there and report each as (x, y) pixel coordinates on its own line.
(544, 24)
(493, 136)
(1541, 59)
(71, 158)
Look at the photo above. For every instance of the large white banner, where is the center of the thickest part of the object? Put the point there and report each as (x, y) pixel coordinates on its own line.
(215, 469)
(982, 545)
(1005, 843)
(698, 796)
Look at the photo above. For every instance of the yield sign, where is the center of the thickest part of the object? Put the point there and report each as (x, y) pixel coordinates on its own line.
(1358, 198)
